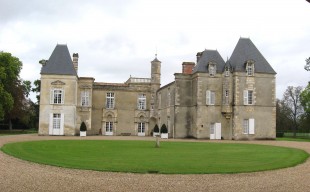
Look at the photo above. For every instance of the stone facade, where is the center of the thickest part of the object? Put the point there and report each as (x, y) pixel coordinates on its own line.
(210, 99)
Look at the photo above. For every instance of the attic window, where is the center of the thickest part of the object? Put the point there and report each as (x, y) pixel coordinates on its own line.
(212, 69)
(227, 71)
(250, 68)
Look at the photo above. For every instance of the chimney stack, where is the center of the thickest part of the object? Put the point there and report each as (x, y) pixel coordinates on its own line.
(198, 55)
(75, 61)
(187, 67)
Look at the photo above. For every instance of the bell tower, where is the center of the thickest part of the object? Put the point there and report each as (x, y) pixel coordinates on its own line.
(155, 82)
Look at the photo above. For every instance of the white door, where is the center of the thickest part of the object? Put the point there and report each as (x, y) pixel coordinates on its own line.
(141, 129)
(56, 126)
(215, 131)
(109, 128)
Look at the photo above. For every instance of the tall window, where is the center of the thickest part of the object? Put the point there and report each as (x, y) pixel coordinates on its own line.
(212, 128)
(210, 97)
(250, 68)
(57, 96)
(227, 72)
(142, 102)
(248, 97)
(248, 126)
(56, 120)
(109, 126)
(85, 98)
(110, 101)
(141, 127)
(212, 70)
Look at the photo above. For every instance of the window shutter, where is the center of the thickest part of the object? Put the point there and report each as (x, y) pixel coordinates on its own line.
(62, 120)
(62, 96)
(52, 96)
(245, 97)
(208, 97)
(251, 126)
(218, 131)
(212, 98)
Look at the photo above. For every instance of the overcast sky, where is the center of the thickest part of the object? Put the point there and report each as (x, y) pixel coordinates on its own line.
(119, 38)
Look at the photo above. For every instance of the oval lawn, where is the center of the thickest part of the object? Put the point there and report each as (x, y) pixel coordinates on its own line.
(170, 158)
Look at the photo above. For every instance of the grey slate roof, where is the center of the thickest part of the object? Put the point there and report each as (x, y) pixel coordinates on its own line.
(60, 62)
(246, 50)
(206, 57)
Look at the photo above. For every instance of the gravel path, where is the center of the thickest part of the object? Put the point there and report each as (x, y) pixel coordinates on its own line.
(19, 175)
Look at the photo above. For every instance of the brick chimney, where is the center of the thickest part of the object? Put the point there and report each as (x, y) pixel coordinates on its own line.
(187, 67)
(75, 61)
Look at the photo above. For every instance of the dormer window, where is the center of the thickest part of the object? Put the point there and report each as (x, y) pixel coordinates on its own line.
(212, 69)
(250, 68)
(227, 71)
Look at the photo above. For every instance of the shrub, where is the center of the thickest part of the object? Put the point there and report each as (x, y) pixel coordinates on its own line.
(83, 127)
(156, 129)
(279, 134)
(163, 129)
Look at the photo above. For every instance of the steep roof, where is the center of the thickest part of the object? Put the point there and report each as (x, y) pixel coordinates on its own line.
(59, 63)
(245, 50)
(209, 56)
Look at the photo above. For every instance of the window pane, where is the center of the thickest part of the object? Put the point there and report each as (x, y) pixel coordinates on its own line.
(246, 126)
(56, 120)
(250, 97)
(110, 100)
(85, 98)
(142, 102)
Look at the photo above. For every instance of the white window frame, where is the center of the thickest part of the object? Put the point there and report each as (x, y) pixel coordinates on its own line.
(248, 97)
(212, 128)
(110, 100)
(56, 120)
(227, 72)
(142, 101)
(141, 127)
(250, 69)
(57, 96)
(210, 97)
(212, 70)
(56, 124)
(109, 126)
(85, 98)
(249, 126)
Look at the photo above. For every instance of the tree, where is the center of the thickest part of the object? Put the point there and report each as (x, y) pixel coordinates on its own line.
(10, 68)
(37, 89)
(36, 106)
(21, 109)
(291, 102)
(307, 66)
(283, 121)
(305, 99)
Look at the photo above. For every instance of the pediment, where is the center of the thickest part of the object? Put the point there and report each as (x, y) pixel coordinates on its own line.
(85, 86)
(58, 82)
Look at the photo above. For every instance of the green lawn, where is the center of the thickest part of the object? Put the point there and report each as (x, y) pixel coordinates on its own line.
(170, 158)
(293, 139)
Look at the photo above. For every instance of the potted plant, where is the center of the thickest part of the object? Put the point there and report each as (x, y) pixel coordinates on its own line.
(164, 132)
(156, 131)
(83, 129)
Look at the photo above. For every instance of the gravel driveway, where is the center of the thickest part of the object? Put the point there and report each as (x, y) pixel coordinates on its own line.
(19, 175)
